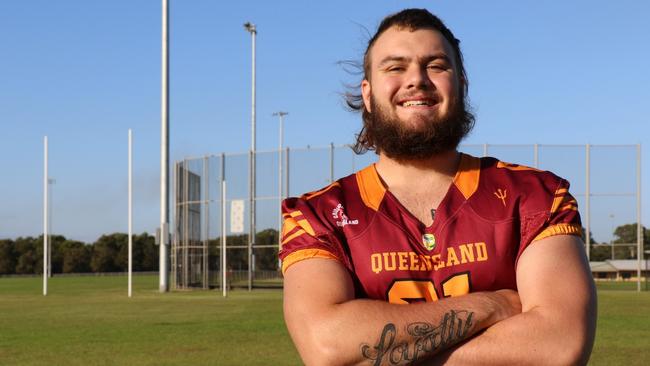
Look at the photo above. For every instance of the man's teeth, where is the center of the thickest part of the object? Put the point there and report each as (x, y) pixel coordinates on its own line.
(414, 102)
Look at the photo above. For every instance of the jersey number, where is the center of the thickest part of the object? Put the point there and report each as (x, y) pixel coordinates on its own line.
(409, 291)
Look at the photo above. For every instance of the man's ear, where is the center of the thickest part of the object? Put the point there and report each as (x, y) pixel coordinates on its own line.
(365, 94)
(463, 85)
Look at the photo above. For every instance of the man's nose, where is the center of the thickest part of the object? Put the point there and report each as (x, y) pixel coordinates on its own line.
(417, 77)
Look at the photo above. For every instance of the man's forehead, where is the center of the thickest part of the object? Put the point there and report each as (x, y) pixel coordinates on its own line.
(398, 42)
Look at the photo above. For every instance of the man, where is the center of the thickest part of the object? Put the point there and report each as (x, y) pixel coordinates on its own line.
(486, 254)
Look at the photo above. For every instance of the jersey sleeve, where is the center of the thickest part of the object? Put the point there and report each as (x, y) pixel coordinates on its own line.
(558, 214)
(306, 234)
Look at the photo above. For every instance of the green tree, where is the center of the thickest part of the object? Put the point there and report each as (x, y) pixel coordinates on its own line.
(76, 257)
(7, 257)
(106, 256)
(600, 253)
(57, 253)
(146, 251)
(237, 257)
(29, 254)
(267, 258)
(627, 234)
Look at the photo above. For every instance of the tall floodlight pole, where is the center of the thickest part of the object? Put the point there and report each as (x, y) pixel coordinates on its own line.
(164, 153)
(250, 27)
(45, 216)
(130, 184)
(280, 196)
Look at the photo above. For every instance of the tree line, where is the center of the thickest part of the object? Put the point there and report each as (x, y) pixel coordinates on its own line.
(109, 253)
(624, 234)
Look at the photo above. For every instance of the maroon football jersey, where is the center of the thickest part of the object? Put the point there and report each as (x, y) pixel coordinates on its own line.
(490, 214)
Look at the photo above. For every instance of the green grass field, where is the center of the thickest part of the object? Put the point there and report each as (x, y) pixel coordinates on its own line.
(90, 321)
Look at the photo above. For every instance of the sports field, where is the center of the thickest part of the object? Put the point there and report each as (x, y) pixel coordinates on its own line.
(90, 321)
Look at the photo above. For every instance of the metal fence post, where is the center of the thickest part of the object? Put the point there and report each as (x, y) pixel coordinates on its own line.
(186, 224)
(224, 263)
(174, 243)
(639, 226)
(206, 221)
(251, 218)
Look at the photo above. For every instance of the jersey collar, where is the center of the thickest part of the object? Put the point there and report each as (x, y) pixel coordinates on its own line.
(372, 189)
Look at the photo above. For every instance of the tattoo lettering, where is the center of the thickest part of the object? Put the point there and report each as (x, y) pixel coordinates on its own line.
(424, 339)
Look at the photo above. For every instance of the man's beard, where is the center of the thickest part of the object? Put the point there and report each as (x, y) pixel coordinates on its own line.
(436, 133)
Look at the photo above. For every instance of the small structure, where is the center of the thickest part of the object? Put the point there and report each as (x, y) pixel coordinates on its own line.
(618, 269)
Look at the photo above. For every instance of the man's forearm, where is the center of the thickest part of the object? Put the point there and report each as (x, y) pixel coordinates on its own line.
(418, 340)
(528, 338)
(378, 333)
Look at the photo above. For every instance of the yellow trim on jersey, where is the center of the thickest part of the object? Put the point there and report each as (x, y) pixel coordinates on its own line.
(559, 229)
(469, 171)
(290, 223)
(293, 236)
(311, 195)
(569, 206)
(515, 167)
(303, 254)
(563, 201)
(370, 187)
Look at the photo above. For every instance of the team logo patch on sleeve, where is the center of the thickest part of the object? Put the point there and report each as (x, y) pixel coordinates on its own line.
(429, 241)
(341, 218)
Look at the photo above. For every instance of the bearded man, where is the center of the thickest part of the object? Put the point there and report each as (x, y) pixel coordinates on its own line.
(431, 255)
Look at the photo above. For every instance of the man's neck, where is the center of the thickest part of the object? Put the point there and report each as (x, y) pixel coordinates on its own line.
(431, 172)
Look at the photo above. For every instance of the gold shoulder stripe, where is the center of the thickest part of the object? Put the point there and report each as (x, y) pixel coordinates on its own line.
(290, 223)
(559, 229)
(515, 167)
(300, 255)
(309, 196)
(561, 200)
(569, 207)
(293, 236)
(307, 226)
(295, 213)
(467, 177)
(370, 186)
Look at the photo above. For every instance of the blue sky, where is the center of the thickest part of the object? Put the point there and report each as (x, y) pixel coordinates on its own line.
(83, 72)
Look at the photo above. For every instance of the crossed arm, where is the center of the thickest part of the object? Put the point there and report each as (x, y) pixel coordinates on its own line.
(557, 325)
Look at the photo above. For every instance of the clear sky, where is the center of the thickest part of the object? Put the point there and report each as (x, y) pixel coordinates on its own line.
(83, 72)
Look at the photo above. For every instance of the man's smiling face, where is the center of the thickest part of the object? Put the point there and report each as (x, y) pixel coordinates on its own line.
(412, 77)
(413, 94)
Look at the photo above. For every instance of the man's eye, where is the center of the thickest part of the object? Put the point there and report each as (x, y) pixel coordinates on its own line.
(436, 67)
(395, 68)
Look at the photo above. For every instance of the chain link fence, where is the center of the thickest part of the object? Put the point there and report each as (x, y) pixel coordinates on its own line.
(605, 179)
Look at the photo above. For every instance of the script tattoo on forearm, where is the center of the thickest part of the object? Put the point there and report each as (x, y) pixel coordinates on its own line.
(425, 339)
